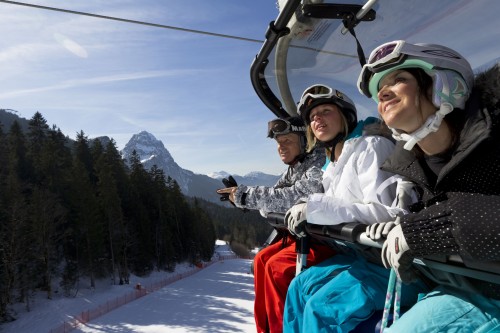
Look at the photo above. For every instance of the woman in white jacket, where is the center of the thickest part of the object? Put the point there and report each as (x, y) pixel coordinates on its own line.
(341, 292)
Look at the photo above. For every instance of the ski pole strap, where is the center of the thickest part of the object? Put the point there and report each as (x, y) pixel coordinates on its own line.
(393, 292)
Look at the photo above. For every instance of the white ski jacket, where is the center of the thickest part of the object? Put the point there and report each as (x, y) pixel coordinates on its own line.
(356, 190)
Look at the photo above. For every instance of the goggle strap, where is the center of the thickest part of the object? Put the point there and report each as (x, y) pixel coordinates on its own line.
(286, 127)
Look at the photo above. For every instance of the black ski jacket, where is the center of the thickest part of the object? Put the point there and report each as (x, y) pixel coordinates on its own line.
(459, 210)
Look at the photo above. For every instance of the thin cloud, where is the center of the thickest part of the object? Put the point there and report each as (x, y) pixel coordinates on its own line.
(69, 84)
(26, 50)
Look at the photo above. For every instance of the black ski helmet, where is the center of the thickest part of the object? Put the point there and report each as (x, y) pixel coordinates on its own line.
(319, 94)
(281, 126)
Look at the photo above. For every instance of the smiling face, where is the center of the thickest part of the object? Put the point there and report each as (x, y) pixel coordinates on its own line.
(288, 147)
(326, 122)
(401, 104)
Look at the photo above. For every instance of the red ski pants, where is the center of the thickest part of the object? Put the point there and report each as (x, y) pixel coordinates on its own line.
(274, 269)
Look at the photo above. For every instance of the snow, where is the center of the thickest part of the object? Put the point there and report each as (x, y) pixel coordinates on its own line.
(218, 174)
(148, 159)
(216, 298)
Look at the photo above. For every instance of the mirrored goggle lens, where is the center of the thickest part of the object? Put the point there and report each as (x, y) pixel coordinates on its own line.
(382, 52)
(278, 126)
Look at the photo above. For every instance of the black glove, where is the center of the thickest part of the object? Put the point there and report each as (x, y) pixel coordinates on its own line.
(228, 182)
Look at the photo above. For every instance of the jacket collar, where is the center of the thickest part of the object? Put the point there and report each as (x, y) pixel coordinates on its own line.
(476, 129)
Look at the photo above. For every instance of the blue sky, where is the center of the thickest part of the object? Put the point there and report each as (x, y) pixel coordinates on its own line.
(191, 91)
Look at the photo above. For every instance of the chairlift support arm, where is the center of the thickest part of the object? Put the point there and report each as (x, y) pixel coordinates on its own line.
(278, 29)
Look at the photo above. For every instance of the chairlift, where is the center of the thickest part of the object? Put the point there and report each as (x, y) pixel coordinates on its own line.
(311, 41)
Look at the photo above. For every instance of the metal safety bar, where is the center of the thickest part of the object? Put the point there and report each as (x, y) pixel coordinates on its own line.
(352, 236)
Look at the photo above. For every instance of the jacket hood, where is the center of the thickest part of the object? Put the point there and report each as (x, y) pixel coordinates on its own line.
(488, 85)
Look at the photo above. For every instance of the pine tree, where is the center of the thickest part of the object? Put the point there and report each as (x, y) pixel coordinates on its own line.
(122, 239)
(4, 274)
(56, 162)
(37, 137)
(164, 251)
(88, 226)
(141, 227)
(177, 213)
(46, 217)
(110, 204)
(15, 236)
(205, 230)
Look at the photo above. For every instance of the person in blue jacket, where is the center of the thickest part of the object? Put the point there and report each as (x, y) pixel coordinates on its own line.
(447, 121)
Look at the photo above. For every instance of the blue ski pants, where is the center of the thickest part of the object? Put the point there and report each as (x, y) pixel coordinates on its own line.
(338, 294)
(450, 310)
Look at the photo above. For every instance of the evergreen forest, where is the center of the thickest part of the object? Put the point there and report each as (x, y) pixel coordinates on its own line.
(74, 210)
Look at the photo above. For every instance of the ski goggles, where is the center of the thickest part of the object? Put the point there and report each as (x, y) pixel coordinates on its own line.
(314, 92)
(282, 126)
(387, 53)
(318, 92)
(384, 57)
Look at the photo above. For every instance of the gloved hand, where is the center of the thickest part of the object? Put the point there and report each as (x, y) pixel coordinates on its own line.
(379, 231)
(227, 194)
(295, 219)
(397, 254)
(229, 182)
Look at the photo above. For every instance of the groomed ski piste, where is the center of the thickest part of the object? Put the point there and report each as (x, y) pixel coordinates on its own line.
(217, 297)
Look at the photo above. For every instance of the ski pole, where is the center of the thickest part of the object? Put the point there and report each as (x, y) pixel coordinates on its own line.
(302, 250)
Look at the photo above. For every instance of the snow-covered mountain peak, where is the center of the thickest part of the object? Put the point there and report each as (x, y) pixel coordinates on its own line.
(218, 174)
(255, 174)
(148, 148)
(151, 151)
(251, 179)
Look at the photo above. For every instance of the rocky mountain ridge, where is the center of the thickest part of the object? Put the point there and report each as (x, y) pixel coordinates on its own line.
(152, 151)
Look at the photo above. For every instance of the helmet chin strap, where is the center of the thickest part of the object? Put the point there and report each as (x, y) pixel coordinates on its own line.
(332, 143)
(431, 125)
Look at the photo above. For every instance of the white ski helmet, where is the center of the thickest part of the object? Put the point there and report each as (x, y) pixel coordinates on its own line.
(451, 74)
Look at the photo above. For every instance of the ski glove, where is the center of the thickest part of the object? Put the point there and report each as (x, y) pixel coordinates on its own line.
(379, 231)
(396, 254)
(295, 219)
(228, 182)
(227, 193)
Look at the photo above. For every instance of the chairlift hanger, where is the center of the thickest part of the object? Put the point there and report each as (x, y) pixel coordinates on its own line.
(351, 16)
(276, 30)
(336, 11)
